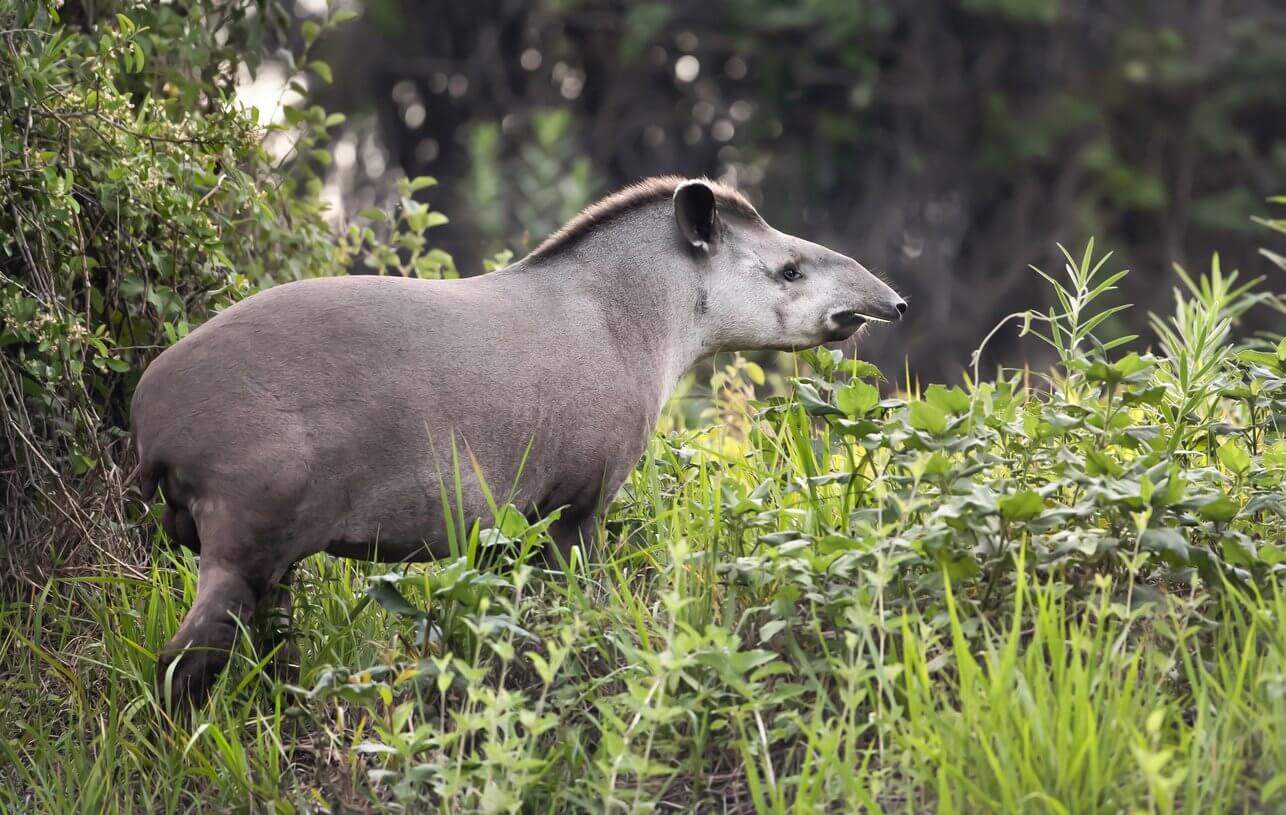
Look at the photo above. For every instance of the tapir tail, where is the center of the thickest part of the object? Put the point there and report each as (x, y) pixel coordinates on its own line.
(147, 479)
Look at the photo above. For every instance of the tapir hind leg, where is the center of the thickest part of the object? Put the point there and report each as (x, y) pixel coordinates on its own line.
(192, 660)
(235, 574)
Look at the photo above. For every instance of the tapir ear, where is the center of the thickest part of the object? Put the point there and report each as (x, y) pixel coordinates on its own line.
(694, 209)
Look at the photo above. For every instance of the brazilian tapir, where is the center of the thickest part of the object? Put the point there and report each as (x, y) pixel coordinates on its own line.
(320, 416)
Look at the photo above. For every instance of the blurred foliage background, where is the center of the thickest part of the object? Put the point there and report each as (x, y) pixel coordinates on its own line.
(946, 144)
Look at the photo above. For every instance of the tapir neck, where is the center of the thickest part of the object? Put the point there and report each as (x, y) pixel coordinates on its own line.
(648, 294)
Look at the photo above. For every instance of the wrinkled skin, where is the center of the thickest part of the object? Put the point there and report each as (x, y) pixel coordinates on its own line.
(322, 415)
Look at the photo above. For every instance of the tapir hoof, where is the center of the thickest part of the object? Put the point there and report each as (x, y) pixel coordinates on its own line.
(184, 677)
(190, 664)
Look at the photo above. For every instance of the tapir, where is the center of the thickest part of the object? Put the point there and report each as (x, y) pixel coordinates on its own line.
(353, 415)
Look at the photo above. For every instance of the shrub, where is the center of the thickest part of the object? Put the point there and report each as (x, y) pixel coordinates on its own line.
(139, 197)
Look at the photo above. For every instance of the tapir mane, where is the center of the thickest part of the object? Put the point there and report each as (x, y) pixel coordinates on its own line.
(645, 192)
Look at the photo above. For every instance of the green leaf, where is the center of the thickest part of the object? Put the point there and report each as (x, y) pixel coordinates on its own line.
(814, 404)
(1232, 456)
(1168, 544)
(322, 70)
(937, 464)
(1021, 506)
(1239, 550)
(1099, 463)
(857, 398)
(1146, 396)
(861, 369)
(383, 590)
(928, 417)
(770, 629)
(952, 400)
(309, 29)
(1251, 357)
(1220, 510)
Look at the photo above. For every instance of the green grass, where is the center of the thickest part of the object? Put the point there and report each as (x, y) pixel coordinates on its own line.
(1083, 710)
(980, 599)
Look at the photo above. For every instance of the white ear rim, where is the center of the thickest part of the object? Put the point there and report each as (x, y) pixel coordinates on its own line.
(691, 182)
(678, 190)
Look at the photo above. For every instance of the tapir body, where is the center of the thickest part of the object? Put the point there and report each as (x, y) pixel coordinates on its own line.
(336, 414)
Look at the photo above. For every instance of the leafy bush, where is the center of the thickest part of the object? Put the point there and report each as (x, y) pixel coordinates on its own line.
(139, 198)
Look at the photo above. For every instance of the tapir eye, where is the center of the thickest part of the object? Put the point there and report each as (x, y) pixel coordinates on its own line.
(791, 272)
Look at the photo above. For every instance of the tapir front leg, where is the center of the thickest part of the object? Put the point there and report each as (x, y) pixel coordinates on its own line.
(567, 534)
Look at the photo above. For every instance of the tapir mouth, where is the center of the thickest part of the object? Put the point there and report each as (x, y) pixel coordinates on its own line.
(844, 324)
(838, 332)
(849, 319)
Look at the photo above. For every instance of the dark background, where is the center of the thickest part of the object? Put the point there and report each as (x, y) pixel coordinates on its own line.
(947, 145)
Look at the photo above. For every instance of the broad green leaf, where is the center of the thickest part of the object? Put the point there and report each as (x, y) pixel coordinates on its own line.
(814, 404)
(953, 400)
(309, 29)
(1250, 357)
(1239, 550)
(1232, 456)
(1219, 510)
(928, 417)
(383, 590)
(1099, 463)
(857, 398)
(1021, 506)
(861, 369)
(1169, 544)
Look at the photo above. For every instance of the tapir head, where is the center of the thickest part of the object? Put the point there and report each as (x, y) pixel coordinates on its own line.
(767, 289)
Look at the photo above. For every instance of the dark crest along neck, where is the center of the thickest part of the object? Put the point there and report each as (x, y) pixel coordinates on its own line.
(629, 200)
